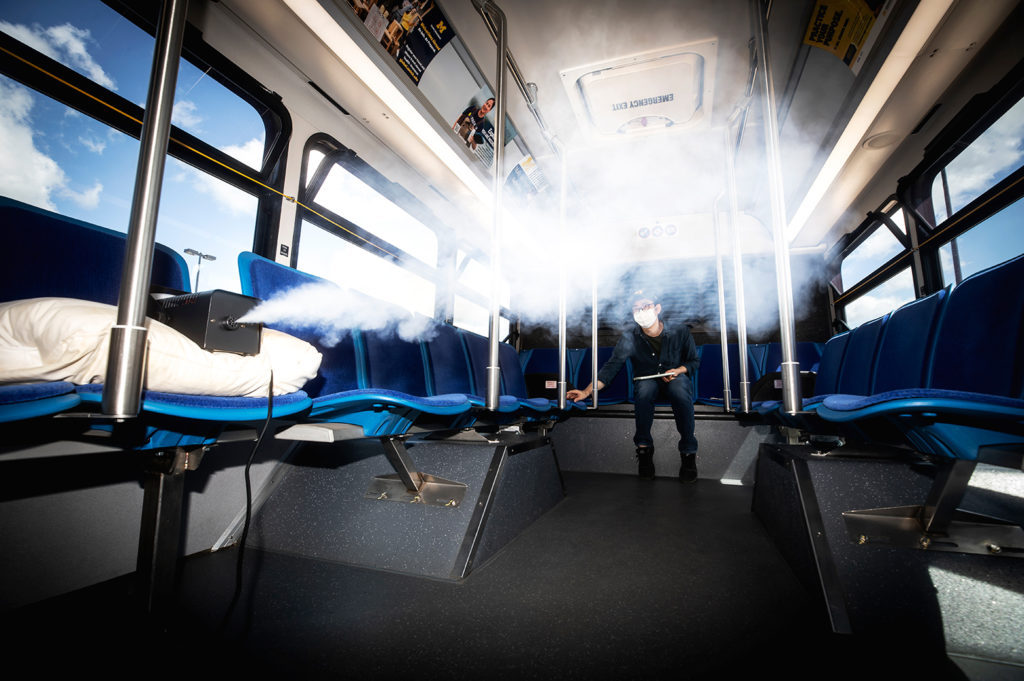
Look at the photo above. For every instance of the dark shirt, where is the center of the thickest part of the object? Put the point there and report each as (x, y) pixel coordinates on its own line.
(677, 349)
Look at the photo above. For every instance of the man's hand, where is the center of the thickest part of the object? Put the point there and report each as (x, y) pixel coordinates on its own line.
(576, 395)
(673, 373)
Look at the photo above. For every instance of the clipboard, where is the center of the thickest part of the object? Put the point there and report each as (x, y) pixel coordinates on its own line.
(644, 378)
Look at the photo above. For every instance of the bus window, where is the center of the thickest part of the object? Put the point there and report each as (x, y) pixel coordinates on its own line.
(82, 166)
(883, 298)
(987, 160)
(866, 265)
(989, 243)
(873, 252)
(350, 266)
(474, 315)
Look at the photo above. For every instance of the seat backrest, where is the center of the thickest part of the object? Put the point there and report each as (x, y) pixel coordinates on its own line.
(341, 366)
(478, 353)
(621, 387)
(808, 354)
(827, 380)
(906, 344)
(858, 370)
(710, 381)
(58, 256)
(979, 337)
(391, 363)
(448, 368)
(512, 379)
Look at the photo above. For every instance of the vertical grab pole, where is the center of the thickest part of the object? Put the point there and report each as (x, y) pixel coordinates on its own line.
(126, 361)
(737, 267)
(488, 8)
(722, 320)
(562, 275)
(593, 333)
(791, 398)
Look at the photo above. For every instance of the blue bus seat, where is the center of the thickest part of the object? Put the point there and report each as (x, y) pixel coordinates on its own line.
(512, 398)
(825, 382)
(709, 387)
(62, 257)
(364, 376)
(808, 354)
(21, 401)
(621, 387)
(974, 392)
(68, 258)
(541, 372)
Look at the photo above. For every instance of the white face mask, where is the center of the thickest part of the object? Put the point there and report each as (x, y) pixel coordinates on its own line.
(646, 318)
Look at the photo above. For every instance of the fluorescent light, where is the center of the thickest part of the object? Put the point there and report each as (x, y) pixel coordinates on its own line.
(351, 54)
(915, 36)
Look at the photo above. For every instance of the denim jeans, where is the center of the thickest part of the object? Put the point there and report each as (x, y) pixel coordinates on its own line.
(680, 395)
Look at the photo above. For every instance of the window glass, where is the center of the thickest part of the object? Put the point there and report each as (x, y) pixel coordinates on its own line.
(350, 266)
(880, 247)
(993, 241)
(882, 299)
(59, 159)
(476, 318)
(990, 158)
(353, 199)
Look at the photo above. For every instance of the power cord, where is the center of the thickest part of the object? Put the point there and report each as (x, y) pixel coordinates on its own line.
(248, 505)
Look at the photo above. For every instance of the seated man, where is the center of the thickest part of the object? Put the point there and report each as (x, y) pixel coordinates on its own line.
(655, 349)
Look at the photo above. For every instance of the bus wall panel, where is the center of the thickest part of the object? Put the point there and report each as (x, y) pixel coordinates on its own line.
(968, 605)
(727, 451)
(320, 508)
(70, 512)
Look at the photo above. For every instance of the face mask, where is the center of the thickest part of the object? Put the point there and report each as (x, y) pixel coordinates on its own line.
(646, 318)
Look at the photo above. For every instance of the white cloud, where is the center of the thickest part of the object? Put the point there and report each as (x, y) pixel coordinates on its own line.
(185, 117)
(26, 174)
(90, 198)
(226, 197)
(250, 153)
(93, 145)
(990, 157)
(64, 43)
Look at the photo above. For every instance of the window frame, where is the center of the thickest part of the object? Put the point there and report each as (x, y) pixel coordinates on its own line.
(70, 88)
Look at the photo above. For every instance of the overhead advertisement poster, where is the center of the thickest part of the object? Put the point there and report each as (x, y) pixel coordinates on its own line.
(847, 28)
(419, 37)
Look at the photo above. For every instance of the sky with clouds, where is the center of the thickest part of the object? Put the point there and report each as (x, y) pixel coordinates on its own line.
(59, 159)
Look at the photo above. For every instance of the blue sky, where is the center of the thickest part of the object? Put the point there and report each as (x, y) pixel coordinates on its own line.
(62, 160)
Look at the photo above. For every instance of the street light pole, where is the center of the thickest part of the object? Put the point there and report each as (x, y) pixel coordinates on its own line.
(200, 257)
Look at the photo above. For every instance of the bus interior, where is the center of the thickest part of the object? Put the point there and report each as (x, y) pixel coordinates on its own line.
(299, 288)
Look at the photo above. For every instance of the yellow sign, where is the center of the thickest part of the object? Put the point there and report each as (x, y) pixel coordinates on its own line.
(844, 27)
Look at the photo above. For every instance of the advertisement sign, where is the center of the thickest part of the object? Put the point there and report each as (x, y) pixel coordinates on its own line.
(419, 37)
(847, 28)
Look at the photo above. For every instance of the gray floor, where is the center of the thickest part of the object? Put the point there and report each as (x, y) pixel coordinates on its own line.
(623, 579)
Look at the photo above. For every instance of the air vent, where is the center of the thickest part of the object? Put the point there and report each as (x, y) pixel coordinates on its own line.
(667, 89)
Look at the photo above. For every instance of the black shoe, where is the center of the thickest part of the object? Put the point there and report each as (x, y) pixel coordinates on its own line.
(688, 468)
(645, 462)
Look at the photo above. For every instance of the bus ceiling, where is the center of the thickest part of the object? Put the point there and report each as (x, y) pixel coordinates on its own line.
(638, 95)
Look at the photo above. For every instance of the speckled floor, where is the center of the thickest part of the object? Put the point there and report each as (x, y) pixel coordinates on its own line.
(624, 579)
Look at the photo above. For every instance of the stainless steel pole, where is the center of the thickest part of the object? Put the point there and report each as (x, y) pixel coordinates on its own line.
(563, 352)
(593, 334)
(737, 267)
(791, 398)
(490, 9)
(126, 362)
(723, 322)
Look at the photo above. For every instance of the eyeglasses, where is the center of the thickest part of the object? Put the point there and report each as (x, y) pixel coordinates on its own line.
(643, 308)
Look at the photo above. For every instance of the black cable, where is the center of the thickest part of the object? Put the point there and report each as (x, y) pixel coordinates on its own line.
(248, 505)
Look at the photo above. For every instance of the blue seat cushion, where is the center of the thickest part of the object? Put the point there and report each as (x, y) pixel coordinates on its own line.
(209, 407)
(21, 401)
